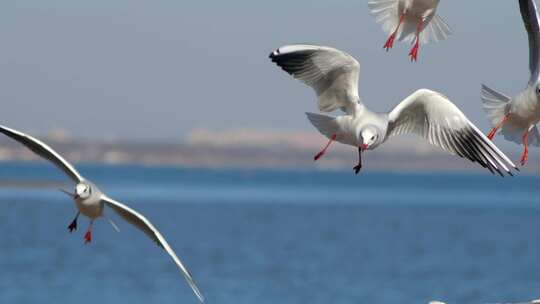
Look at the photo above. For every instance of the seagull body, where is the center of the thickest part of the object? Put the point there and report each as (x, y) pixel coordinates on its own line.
(516, 118)
(350, 125)
(91, 201)
(334, 76)
(91, 206)
(413, 21)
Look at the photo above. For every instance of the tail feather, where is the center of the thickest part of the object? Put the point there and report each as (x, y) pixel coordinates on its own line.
(326, 125)
(437, 30)
(495, 104)
(386, 13)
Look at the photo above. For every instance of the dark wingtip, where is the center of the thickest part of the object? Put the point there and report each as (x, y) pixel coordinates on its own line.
(499, 171)
(273, 54)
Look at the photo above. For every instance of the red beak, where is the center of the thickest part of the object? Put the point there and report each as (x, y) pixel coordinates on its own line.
(364, 147)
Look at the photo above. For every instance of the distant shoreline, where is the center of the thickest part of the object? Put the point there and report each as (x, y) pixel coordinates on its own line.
(34, 183)
(253, 149)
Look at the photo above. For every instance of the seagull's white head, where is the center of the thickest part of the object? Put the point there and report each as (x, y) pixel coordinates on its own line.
(82, 191)
(369, 136)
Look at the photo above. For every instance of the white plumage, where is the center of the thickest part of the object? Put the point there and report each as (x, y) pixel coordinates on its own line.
(334, 75)
(516, 118)
(410, 21)
(91, 201)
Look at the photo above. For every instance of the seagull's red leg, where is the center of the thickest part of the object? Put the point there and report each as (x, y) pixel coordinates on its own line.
(497, 127)
(525, 155)
(414, 51)
(390, 42)
(73, 225)
(88, 235)
(326, 147)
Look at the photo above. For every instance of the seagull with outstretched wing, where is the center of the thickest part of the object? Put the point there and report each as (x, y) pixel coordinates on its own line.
(90, 201)
(334, 76)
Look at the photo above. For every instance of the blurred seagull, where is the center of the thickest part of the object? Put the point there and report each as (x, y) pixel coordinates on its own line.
(412, 21)
(517, 117)
(334, 76)
(90, 201)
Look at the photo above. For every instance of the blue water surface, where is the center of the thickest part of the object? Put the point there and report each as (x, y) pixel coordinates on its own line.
(274, 236)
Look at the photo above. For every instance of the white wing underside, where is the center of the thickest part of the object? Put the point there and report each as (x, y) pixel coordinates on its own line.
(145, 226)
(333, 74)
(44, 151)
(431, 115)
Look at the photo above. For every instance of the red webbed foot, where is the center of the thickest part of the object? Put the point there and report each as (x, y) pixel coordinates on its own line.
(88, 237)
(321, 153)
(492, 133)
(525, 155)
(414, 52)
(390, 42)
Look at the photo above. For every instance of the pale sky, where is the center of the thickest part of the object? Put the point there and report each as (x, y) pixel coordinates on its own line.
(151, 69)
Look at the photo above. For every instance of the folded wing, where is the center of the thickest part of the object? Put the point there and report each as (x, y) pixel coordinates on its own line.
(44, 151)
(431, 115)
(144, 225)
(333, 74)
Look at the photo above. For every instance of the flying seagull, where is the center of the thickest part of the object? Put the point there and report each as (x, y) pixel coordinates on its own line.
(90, 201)
(516, 118)
(334, 76)
(412, 21)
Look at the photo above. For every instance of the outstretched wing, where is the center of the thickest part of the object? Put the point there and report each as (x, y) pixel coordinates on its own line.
(530, 17)
(139, 221)
(435, 118)
(43, 150)
(333, 74)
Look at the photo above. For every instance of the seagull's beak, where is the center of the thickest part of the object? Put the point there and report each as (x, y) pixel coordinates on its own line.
(364, 147)
(72, 195)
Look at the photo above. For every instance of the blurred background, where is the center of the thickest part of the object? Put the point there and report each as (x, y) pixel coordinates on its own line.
(174, 108)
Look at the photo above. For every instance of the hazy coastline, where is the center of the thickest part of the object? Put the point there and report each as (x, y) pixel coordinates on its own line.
(248, 149)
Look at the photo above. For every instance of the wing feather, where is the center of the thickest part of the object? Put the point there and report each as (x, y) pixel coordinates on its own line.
(139, 221)
(333, 74)
(433, 116)
(529, 13)
(44, 151)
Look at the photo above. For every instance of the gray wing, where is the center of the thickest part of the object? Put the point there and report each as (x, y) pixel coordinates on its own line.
(333, 74)
(139, 221)
(530, 17)
(431, 115)
(43, 150)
